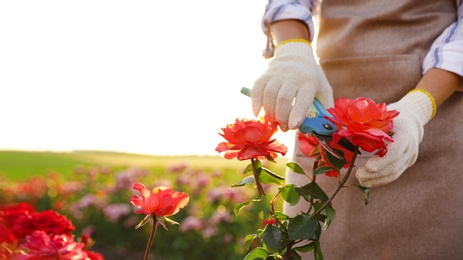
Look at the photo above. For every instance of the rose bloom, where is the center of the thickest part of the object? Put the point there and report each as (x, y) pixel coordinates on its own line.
(40, 246)
(92, 255)
(11, 212)
(269, 221)
(162, 201)
(250, 139)
(5, 234)
(363, 122)
(310, 146)
(48, 221)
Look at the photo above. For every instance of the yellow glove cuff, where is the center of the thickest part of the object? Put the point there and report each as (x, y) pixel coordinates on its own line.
(293, 40)
(434, 106)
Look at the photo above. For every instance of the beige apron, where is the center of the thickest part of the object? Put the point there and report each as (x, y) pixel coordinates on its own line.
(375, 49)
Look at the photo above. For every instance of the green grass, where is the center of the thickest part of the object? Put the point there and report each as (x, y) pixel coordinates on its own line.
(24, 164)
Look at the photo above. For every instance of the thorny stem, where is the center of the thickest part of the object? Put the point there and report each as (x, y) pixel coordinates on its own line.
(256, 179)
(150, 241)
(341, 184)
(261, 192)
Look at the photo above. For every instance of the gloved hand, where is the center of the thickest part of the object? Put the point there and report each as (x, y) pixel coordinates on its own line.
(416, 109)
(292, 76)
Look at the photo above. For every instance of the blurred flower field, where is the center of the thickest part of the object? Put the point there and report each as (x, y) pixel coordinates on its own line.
(95, 196)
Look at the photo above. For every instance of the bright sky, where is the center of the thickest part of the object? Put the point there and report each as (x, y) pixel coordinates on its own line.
(153, 77)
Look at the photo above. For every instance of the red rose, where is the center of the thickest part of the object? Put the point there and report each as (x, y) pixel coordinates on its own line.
(48, 221)
(23, 226)
(8, 213)
(94, 255)
(363, 122)
(310, 146)
(52, 222)
(250, 139)
(39, 245)
(162, 201)
(5, 234)
(269, 221)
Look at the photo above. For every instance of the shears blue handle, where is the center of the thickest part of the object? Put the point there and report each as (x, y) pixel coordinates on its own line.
(315, 122)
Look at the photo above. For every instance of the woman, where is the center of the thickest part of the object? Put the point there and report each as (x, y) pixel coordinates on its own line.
(379, 50)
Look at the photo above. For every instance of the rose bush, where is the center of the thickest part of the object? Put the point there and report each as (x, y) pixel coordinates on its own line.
(360, 122)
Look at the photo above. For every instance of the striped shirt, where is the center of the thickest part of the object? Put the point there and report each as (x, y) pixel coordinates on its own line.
(446, 52)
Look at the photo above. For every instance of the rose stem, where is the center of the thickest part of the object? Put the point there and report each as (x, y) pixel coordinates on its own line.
(150, 241)
(341, 184)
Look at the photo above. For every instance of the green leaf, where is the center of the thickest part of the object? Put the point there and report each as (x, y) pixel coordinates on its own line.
(248, 240)
(295, 255)
(144, 221)
(280, 216)
(267, 178)
(312, 190)
(257, 253)
(272, 237)
(270, 159)
(318, 232)
(248, 169)
(242, 205)
(323, 170)
(245, 181)
(318, 255)
(289, 194)
(366, 191)
(306, 248)
(295, 168)
(302, 226)
(170, 221)
(336, 162)
(330, 214)
(273, 174)
(266, 206)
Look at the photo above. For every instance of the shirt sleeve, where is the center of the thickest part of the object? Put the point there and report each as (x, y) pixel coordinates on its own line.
(447, 50)
(277, 10)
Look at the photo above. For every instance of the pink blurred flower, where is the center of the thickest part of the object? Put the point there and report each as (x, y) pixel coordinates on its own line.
(71, 187)
(177, 168)
(209, 232)
(40, 246)
(190, 223)
(114, 212)
(203, 180)
(130, 222)
(227, 238)
(220, 216)
(90, 200)
(127, 178)
(163, 182)
(226, 193)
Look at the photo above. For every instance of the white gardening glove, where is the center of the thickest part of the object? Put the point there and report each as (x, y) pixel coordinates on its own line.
(292, 76)
(416, 109)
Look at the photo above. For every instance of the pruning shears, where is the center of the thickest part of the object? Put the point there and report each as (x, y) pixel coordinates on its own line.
(317, 124)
